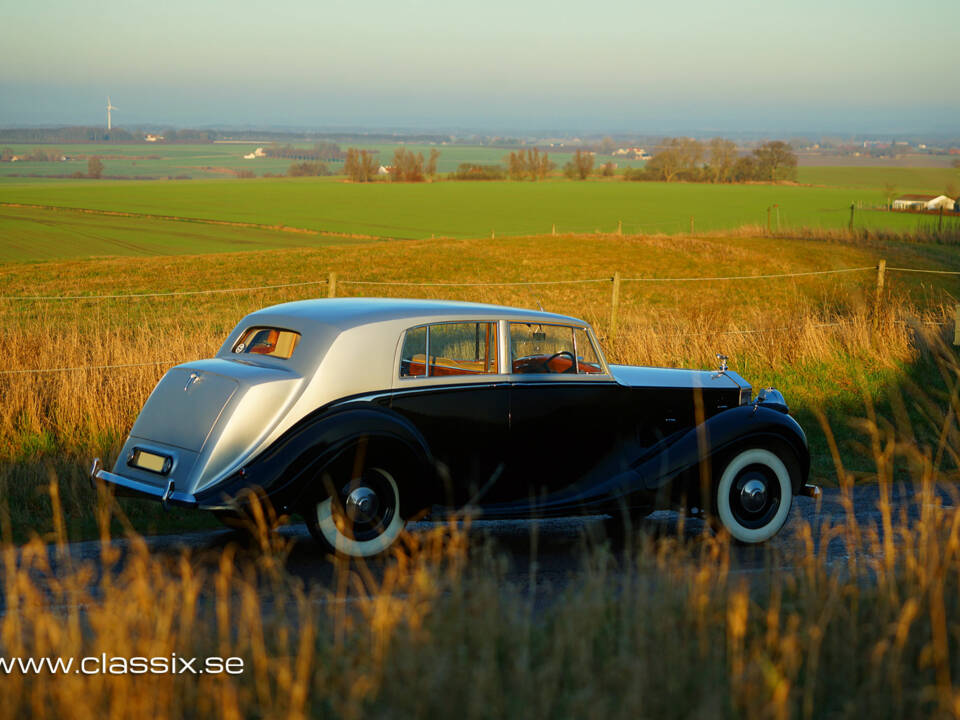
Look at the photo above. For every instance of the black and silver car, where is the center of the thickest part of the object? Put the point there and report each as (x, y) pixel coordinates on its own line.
(362, 413)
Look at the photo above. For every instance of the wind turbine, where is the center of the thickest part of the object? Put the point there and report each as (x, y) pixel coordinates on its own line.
(109, 108)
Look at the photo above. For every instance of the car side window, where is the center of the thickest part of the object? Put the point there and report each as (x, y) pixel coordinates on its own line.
(537, 348)
(442, 349)
(413, 356)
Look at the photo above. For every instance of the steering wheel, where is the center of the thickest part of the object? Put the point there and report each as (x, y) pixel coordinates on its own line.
(573, 361)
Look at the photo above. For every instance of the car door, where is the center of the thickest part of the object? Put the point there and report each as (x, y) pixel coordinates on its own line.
(568, 416)
(451, 388)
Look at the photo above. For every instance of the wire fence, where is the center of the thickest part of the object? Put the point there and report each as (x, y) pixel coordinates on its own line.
(331, 282)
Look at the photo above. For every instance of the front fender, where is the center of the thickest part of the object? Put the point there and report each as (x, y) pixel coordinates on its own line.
(285, 470)
(677, 456)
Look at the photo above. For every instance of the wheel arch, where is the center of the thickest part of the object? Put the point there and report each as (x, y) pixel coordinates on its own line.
(287, 471)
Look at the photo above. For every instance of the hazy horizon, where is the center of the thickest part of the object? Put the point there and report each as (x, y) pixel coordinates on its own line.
(819, 67)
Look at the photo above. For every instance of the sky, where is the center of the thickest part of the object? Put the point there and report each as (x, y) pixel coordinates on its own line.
(501, 65)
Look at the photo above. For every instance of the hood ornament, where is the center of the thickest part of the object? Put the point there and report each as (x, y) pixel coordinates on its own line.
(723, 363)
(194, 378)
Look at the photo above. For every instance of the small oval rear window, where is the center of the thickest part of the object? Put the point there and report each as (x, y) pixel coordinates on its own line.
(274, 342)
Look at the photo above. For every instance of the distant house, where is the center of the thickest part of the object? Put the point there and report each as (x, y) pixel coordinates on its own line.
(154, 138)
(258, 153)
(912, 202)
(638, 153)
(941, 201)
(924, 202)
(384, 170)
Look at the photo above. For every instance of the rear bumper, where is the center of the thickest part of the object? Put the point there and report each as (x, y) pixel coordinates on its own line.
(167, 494)
(811, 491)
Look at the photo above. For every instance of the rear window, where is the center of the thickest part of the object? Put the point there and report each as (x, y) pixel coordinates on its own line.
(274, 342)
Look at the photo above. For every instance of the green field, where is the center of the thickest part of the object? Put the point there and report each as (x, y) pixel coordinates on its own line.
(903, 180)
(447, 209)
(161, 161)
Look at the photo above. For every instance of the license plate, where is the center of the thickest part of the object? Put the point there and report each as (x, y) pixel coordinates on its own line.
(150, 461)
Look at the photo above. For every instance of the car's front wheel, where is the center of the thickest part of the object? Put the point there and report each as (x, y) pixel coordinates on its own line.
(754, 495)
(360, 519)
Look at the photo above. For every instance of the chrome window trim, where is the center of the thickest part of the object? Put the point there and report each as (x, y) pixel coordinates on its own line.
(603, 376)
(472, 379)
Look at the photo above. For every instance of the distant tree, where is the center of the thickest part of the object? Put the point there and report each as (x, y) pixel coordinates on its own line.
(956, 163)
(308, 169)
(608, 169)
(667, 161)
(606, 146)
(95, 167)
(580, 166)
(744, 169)
(516, 166)
(246, 174)
(360, 165)
(531, 164)
(692, 153)
(431, 167)
(6, 155)
(889, 190)
(470, 171)
(723, 155)
(775, 161)
(408, 166)
(951, 190)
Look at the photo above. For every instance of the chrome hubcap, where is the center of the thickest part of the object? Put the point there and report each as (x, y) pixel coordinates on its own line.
(362, 504)
(753, 495)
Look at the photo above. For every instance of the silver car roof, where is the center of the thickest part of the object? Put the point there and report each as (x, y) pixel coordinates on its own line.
(346, 313)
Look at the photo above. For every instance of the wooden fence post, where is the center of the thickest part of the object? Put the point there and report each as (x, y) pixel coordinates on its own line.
(620, 224)
(850, 225)
(332, 285)
(956, 325)
(881, 278)
(768, 220)
(614, 304)
(553, 231)
(691, 224)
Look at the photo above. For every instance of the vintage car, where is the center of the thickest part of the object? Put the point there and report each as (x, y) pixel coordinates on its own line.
(362, 413)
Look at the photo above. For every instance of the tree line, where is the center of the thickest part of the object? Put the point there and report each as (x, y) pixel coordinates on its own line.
(717, 162)
(322, 151)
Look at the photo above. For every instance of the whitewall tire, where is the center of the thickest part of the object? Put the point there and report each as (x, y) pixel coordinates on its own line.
(366, 520)
(754, 495)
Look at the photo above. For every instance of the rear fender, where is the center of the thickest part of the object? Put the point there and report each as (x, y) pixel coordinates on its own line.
(289, 473)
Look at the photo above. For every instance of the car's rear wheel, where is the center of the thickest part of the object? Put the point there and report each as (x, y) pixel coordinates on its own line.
(361, 518)
(754, 495)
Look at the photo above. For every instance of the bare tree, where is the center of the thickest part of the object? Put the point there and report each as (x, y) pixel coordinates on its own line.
(606, 146)
(776, 161)
(407, 166)
(360, 165)
(431, 168)
(667, 161)
(723, 155)
(580, 166)
(95, 167)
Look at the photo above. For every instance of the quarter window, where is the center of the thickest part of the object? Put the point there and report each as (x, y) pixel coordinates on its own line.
(274, 342)
(539, 348)
(444, 349)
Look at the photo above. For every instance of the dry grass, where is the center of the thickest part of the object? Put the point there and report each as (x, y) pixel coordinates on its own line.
(666, 628)
(816, 338)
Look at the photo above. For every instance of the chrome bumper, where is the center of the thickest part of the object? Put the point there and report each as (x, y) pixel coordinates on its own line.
(811, 491)
(167, 495)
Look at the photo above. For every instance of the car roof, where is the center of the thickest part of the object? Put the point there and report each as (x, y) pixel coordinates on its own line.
(346, 313)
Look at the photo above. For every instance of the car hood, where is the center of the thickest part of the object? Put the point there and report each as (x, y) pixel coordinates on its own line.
(634, 376)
